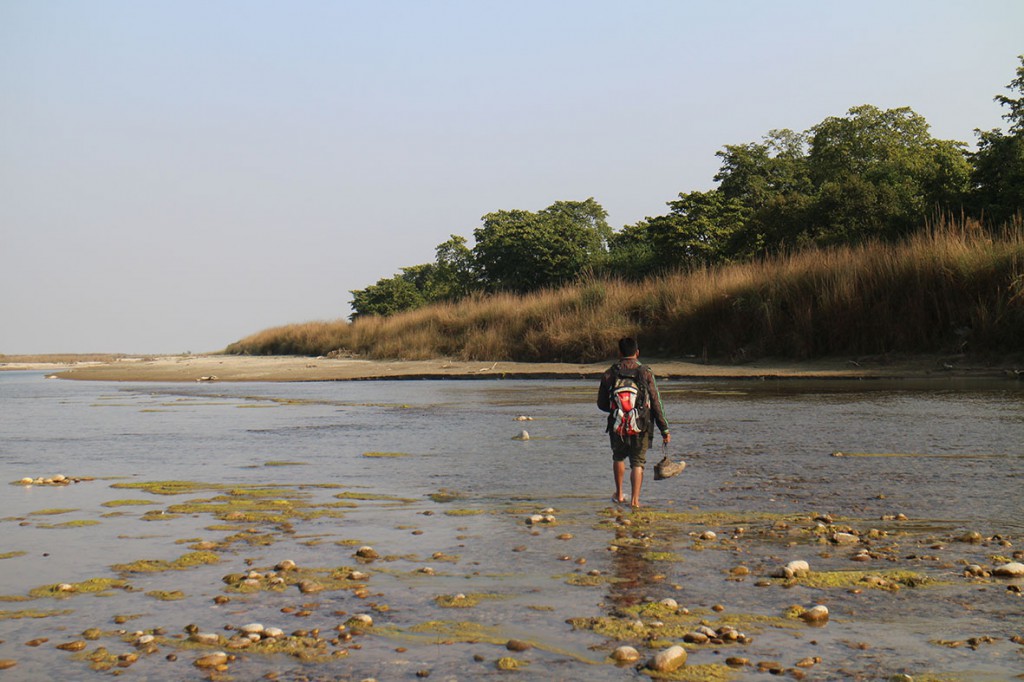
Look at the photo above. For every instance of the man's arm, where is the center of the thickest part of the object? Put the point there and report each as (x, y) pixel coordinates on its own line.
(657, 409)
(603, 397)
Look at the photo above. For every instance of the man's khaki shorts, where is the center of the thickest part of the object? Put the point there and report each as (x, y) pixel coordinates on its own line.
(635, 448)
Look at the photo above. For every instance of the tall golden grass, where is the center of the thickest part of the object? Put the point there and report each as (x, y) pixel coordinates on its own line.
(951, 288)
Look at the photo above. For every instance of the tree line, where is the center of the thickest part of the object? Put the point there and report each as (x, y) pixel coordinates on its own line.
(869, 175)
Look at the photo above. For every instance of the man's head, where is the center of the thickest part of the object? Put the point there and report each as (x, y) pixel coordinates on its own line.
(628, 347)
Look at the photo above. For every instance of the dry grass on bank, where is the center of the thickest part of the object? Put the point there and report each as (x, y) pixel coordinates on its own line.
(953, 289)
(60, 358)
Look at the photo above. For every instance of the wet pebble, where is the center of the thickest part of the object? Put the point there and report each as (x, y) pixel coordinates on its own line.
(518, 645)
(669, 659)
(625, 654)
(37, 642)
(309, 586)
(252, 629)
(367, 552)
(208, 638)
(213, 660)
(1014, 569)
(358, 576)
(76, 645)
(286, 565)
(792, 569)
(845, 538)
(522, 435)
(815, 614)
(361, 619)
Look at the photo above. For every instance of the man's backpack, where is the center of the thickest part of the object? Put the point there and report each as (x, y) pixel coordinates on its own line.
(630, 402)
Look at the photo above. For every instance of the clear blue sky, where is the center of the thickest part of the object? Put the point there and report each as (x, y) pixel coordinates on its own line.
(175, 175)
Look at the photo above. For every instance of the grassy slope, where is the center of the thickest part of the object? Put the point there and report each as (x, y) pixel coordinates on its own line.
(951, 291)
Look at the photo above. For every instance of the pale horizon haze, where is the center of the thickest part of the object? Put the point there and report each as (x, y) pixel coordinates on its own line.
(175, 176)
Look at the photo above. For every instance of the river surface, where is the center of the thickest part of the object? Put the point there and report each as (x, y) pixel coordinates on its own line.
(429, 474)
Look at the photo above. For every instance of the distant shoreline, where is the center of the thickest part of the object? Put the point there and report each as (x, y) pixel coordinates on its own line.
(240, 368)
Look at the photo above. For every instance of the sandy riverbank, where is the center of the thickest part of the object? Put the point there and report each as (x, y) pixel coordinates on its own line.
(289, 368)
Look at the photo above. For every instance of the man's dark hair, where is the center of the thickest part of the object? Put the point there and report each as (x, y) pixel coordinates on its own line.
(627, 346)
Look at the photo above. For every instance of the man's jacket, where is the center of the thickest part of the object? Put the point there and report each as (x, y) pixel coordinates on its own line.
(604, 402)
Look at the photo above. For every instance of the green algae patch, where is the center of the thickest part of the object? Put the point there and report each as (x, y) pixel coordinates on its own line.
(464, 601)
(127, 503)
(158, 565)
(80, 523)
(662, 556)
(159, 515)
(32, 613)
(509, 663)
(367, 497)
(468, 632)
(170, 487)
(705, 672)
(464, 512)
(588, 580)
(883, 580)
(11, 555)
(674, 625)
(268, 505)
(91, 586)
(704, 519)
(166, 595)
(51, 512)
(307, 580)
(445, 495)
(386, 454)
(618, 629)
(284, 463)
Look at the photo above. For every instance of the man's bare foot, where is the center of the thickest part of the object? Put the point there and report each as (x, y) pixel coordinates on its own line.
(635, 505)
(618, 500)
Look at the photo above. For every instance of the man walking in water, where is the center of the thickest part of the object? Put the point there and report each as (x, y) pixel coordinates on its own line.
(630, 396)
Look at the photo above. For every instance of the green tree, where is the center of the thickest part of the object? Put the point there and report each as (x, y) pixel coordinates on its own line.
(880, 174)
(697, 231)
(388, 296)
(770, 179)
(631, 254)
(998, 174)
(454, 273)
(521, 251)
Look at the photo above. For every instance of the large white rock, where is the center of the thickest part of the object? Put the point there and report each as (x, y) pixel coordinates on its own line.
(669, 659)
(1013, 569)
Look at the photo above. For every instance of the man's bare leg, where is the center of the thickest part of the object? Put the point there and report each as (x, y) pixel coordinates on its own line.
(619, 472)
(636, 480)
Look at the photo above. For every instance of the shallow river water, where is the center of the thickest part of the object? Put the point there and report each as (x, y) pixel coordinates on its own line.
(429, 475)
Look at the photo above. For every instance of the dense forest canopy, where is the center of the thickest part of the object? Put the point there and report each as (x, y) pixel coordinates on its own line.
(868, 175)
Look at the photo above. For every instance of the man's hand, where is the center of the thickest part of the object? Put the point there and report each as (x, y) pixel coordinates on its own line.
(666, 438)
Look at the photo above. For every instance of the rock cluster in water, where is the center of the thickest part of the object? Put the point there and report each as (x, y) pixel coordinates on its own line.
(56, 480)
